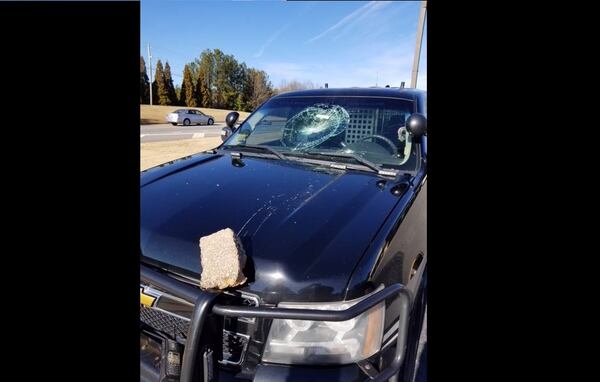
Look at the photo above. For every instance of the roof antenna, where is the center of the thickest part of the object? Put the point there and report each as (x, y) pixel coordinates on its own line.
(402, 85)
(326, 85)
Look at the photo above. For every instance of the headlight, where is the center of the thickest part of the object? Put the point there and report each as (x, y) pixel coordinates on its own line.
(325, 342)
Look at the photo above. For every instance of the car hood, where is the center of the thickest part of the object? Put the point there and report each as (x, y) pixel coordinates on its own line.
(303, 227)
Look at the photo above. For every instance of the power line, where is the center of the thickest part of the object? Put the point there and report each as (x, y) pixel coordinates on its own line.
(168, 49)
(162, 48)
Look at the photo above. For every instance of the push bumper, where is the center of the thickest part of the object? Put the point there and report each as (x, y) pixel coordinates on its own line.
(193, 369)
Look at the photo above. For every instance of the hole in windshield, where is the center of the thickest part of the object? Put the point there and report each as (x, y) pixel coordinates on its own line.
(314, 125)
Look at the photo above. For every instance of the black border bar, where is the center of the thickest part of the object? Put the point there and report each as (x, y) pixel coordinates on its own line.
(310, 314)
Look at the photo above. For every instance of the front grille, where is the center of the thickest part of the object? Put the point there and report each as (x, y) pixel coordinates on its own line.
(234, 347)
(169, 317)
(164, 322)
(234, 344)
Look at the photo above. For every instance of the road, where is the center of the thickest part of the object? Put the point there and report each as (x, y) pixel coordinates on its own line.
(168, 132)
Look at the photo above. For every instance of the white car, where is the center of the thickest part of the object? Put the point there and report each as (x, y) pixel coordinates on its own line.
(188, 117)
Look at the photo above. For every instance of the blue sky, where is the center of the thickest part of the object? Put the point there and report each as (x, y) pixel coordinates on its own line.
(349, 43)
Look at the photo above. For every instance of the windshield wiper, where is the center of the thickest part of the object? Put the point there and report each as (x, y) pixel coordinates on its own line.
(357, 158)
(259, 147)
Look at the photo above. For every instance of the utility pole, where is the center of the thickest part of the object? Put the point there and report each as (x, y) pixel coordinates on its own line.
(420, 27)
(150, 60)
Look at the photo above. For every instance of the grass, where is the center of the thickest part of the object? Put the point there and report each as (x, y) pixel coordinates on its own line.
(156, 114)
(155, 153)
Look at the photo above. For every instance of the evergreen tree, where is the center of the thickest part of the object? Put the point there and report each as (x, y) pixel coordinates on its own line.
(159, 86)
(178, 95)
(182, 91)
(240, 102)
(144, 83)
(225, 93)
(188, 95)
(172, 95)
(222, 82)
(205, 79)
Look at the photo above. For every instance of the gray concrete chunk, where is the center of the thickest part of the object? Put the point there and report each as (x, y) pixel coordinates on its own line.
(223, 258)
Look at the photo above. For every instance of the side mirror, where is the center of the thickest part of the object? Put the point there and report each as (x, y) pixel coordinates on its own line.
(226, 133)
(416, 124)
(232, 118)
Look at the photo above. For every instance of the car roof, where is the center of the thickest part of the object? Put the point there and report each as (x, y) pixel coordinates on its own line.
(406, 93)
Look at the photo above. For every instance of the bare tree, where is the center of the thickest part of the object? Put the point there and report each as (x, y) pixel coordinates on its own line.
(258, 88)
(289, 86)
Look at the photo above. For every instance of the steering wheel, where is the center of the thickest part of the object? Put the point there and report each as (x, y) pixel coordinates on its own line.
(386, 140)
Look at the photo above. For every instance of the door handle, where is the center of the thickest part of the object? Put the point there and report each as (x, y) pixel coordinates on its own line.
(415, 265)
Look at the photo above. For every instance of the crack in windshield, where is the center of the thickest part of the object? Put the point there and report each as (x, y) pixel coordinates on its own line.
(314, 125)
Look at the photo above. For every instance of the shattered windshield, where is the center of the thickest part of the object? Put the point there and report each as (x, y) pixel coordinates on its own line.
(369, 127)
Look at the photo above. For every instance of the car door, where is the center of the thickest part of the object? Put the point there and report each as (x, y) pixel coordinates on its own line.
(191, 115)
(202, 118)
(183, 114)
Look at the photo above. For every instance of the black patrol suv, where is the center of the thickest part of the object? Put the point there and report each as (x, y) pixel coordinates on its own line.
(326, 190)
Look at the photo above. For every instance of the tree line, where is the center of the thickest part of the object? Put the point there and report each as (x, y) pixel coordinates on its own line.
(215, 80)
